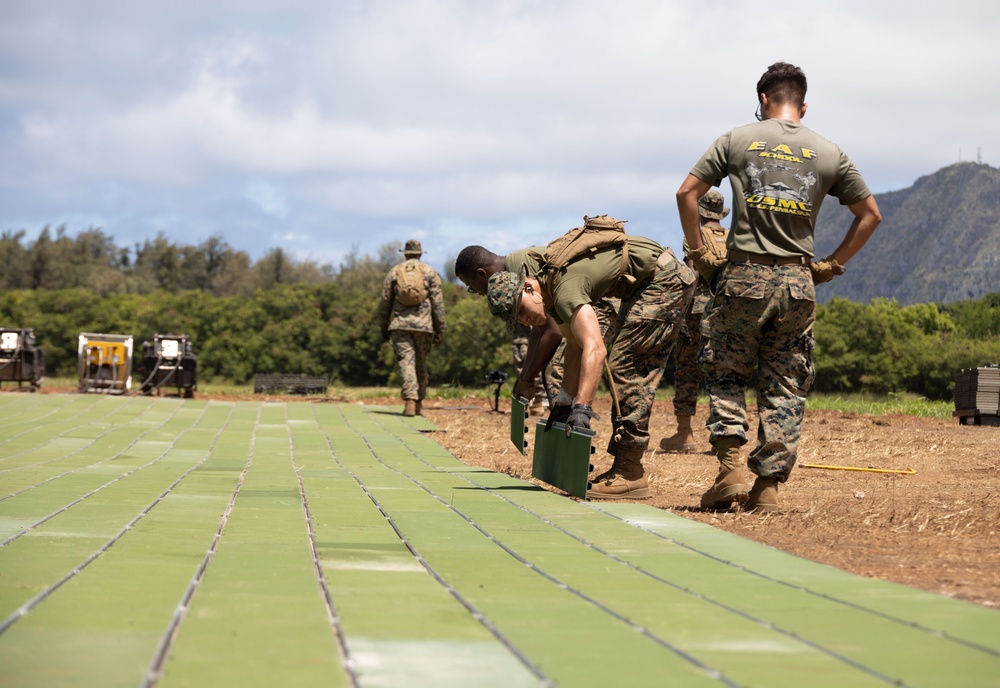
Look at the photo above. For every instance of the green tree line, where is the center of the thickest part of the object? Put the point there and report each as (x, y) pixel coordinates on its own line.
(885, 347)
(279, 315)
(92, 260)
(295, 326)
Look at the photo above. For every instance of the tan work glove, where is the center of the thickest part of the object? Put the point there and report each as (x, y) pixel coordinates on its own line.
(710, 257)
(706, 261)
(825, 270)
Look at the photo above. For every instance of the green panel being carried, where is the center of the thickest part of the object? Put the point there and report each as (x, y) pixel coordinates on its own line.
(563, 461)
(518, 424)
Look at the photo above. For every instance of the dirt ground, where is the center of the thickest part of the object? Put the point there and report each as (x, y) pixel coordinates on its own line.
(937, 529)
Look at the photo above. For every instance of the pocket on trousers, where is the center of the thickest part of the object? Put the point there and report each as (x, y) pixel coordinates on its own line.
(802, 289)
(741, 289)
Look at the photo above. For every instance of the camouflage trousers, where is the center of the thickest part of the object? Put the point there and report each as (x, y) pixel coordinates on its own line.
(761, 318)
(552, 376)
(687, 374)
(519, 345)
(412, 349)
(641, 341)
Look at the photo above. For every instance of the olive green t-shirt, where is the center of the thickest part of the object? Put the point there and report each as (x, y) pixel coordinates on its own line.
(595, 276)
(514, 260)
(780, 173)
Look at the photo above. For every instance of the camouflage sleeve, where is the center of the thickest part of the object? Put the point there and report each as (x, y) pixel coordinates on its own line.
(385, 304)
(437, 302)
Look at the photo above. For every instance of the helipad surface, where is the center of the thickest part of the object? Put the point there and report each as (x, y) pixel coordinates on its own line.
(158, 541)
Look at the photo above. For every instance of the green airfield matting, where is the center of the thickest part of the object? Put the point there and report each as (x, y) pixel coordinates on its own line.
(160, 541)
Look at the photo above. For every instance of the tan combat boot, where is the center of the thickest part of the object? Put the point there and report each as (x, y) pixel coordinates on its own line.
(763, 497)
(683, 440)
(411, 408)
(419, 408)
(625, 480)
(731, 482)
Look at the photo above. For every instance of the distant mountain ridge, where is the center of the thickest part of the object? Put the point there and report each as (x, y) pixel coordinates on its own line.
(939, 240)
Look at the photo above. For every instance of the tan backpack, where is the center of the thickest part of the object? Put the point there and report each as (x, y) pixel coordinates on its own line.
(411, 287)
(596, 233)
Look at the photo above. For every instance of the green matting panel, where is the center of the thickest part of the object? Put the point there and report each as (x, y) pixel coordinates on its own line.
(519, 424)
(158, 541)
(562, 460)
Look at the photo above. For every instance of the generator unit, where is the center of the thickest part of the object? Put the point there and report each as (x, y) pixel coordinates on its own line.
(169, 361)
(105, 363)
(20, 360)
(977, 395)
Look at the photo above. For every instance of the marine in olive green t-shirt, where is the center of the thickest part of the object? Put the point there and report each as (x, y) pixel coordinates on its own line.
(780, 172)
(588, 279)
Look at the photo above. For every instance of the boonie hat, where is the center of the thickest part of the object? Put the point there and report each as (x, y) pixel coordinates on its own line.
(412, 246)
(503, 292)
(712, 205)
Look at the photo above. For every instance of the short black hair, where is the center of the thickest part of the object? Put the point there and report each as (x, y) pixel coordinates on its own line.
(470, 259)
(783, 83)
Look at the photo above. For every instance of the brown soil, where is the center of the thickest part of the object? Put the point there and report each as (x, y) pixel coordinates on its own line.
(937, 529)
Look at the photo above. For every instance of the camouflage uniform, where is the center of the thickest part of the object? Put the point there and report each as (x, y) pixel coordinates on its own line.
(643, 335)
(760, 313)
(607, 316)
(641, 341)
(413, 329)
(687, 374)
(765, 299)
(519, 344)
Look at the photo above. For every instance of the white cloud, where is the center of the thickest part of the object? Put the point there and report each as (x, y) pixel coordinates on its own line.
(506, 119)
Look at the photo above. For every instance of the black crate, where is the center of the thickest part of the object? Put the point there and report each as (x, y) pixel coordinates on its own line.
(977, 393)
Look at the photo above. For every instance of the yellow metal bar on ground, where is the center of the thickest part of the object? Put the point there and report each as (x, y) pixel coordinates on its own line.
(904, 471)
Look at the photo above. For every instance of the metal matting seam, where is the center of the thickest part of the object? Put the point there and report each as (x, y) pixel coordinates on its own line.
(904, 622)
(29, 528)
(155, 670)
(38, 402)
(97, 401)
(847, 603)
(98, 463)
(346, 660)
(42, 402)
(534, 669)
(662, 642)
(76, 451)
(40, 597)
(767, 624)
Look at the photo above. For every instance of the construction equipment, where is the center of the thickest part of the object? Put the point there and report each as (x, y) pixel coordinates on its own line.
(105, 363)
(169, 361)
(20, 360)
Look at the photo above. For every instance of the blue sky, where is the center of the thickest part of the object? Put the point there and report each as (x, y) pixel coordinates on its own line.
(327, 127)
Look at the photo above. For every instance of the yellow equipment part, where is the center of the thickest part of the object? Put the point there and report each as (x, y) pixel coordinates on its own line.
(105, 363)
